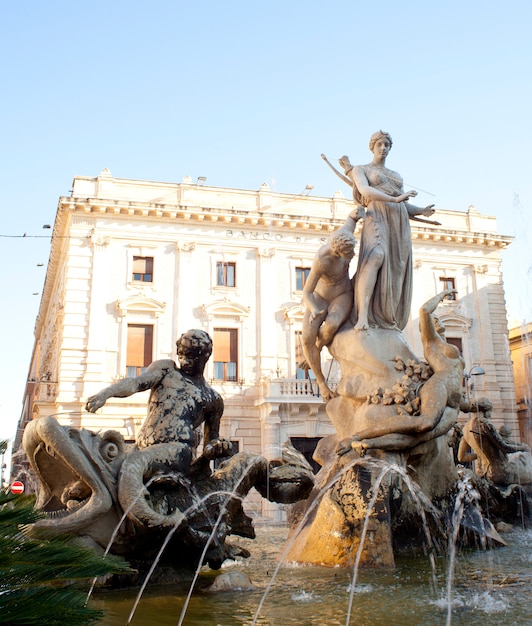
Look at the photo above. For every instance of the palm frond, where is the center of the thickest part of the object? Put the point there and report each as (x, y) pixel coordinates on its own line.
(42, 580)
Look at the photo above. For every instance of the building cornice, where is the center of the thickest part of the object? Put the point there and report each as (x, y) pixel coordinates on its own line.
(189, 203)
(59, 241)
(254, 219)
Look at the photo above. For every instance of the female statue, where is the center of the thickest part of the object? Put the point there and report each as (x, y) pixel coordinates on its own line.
(383, 281)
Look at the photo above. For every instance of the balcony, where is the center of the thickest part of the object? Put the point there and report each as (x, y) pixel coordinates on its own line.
(300, 390)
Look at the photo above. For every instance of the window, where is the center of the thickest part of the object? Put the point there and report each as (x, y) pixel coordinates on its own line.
(456, 341)
(447, 284)
(143, 269)
(301, 277)
(225, 274)
(139, 348)
(225, 352)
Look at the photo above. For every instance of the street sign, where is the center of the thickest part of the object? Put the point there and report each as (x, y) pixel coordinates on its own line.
(17, 487)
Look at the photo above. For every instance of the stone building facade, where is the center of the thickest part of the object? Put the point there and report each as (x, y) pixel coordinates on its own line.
(133, 264)
(521, 352)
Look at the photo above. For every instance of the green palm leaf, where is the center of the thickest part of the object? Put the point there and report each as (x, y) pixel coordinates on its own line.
(42, 581)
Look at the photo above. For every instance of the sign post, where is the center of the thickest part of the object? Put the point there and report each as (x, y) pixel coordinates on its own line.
(17, 487)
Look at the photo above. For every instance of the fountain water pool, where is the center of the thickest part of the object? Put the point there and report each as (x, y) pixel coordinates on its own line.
(490, 587)
(391, 407)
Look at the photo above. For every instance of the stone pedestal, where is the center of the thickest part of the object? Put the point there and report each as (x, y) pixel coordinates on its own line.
(351, 511)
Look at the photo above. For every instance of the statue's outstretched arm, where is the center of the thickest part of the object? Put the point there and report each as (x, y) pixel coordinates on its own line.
(426, 323)
(337, 172)
(414, 211)
(128, 386)
(358, 213)
(507, 446)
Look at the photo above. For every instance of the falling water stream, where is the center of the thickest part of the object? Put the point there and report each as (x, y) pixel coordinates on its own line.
(467, 587)
(490, 587)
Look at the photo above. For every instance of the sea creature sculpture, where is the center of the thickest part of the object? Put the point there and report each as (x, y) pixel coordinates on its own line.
(92, 486)
(498, 460)
(129, 499)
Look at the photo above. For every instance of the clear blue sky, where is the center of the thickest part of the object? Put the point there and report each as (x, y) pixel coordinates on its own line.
(243, 93)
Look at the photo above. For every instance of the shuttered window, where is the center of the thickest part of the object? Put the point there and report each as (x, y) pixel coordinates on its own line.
(139, 348)
(225, 353)
(143, 269)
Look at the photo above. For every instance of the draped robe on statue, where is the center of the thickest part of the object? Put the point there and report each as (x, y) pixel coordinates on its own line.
(387, 226)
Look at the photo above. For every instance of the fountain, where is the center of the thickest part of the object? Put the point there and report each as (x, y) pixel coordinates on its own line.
(489, 587)
(388, 489)
(390, 405)
(130, 501)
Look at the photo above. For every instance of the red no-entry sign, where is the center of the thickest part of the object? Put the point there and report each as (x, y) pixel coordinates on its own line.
(17, 487)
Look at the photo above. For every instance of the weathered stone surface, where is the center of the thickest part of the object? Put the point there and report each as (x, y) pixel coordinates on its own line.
(392, 415)
(500, 461)
(329, 531)
(231, 581)
(368, 364)
(131, 501)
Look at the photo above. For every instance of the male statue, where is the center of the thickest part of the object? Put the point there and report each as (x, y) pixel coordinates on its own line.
(328, 295)
(180, 398)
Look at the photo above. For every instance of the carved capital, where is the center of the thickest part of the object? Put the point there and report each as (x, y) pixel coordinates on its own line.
(100, 240)
(186, 246)
(266, 253)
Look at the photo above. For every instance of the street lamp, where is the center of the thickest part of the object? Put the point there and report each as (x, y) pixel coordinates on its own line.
(476, 370)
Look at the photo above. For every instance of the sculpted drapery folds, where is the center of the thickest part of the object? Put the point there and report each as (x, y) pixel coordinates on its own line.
(383, 280)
